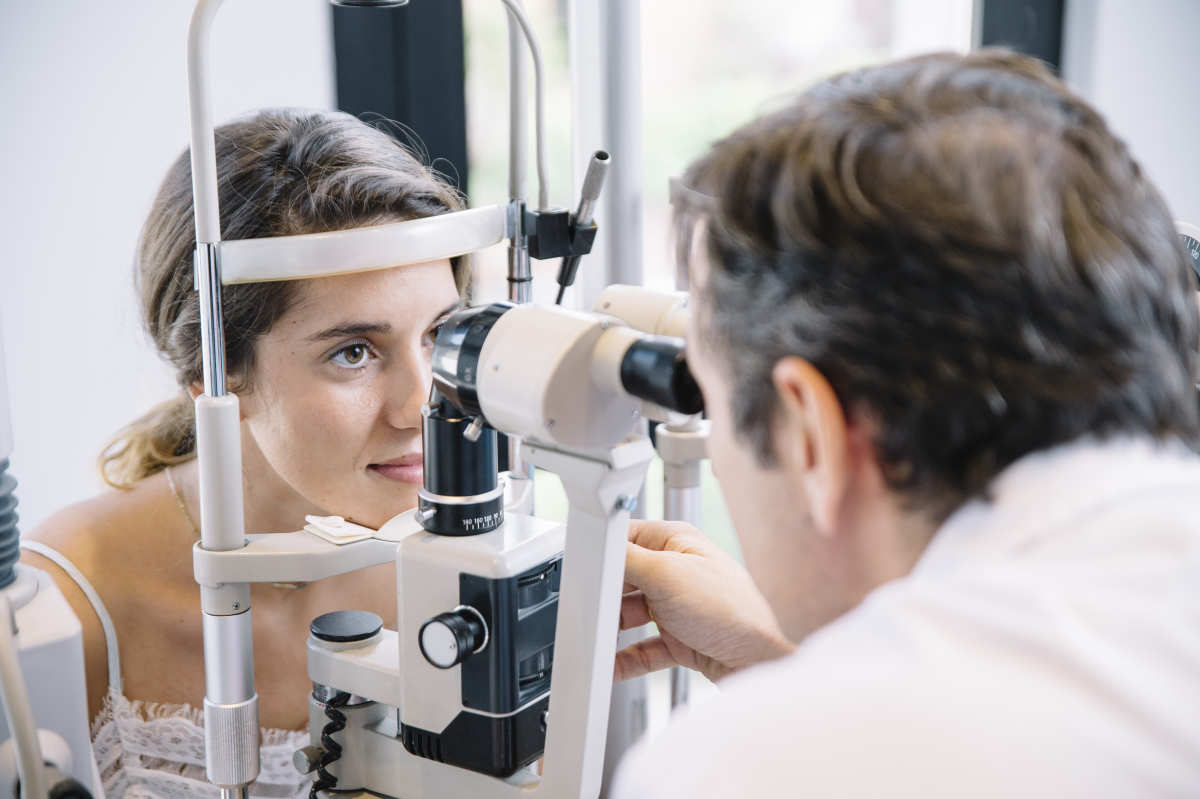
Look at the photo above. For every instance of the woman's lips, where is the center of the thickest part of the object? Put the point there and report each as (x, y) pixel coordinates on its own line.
(408, 469)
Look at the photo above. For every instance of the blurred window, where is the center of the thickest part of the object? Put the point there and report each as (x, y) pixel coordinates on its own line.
(707, 68)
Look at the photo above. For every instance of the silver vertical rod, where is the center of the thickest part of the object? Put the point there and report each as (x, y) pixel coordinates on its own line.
(683, 504)
(681, 682)
(206, 264)
(682, 447)
(519, 273)
(623, 124)
(518, 110)
(231, 732)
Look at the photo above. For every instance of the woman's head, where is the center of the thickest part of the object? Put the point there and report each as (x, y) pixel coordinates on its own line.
(287, 172)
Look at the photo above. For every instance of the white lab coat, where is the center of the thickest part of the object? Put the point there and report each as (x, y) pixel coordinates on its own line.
(1047, 644)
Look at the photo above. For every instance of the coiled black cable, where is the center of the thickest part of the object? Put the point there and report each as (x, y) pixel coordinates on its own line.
(333, 749)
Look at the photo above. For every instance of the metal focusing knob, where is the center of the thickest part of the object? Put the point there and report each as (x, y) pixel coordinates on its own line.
(474, 430)
(450, 638)
(306, 759)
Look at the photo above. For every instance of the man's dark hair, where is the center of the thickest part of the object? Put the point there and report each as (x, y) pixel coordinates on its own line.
(966, 252)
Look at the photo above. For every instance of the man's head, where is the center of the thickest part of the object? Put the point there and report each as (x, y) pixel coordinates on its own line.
(910, 278)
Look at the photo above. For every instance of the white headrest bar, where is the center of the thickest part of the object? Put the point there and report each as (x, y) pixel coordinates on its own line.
(340, 252)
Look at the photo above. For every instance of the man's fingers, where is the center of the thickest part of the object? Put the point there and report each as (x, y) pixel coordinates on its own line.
(640, 566)
(643, 657)
(660, 536)
(634, 612)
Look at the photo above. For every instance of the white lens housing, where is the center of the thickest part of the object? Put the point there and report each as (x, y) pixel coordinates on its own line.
(535, 379)
(660, 313)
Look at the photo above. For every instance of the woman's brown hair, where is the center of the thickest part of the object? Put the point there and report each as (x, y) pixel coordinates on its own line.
(281, 172)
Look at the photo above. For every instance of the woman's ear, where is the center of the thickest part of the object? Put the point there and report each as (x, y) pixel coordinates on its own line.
(196, 388)
(810, 438)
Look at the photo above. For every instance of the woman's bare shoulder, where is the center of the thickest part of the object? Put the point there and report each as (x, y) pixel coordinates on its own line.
(106, 535)
(97, 536)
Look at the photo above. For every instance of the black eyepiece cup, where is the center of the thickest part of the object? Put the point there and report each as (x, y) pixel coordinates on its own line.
(655, 369)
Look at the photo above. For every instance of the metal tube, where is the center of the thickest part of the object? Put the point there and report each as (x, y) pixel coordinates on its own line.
(231, 730)
(228, 659)
(683, 505)
(231, 733)
(681, 680)
(219, 456)
(683, 501)
(623, 128)
(518, 115)
(520, 275)
(206, 265)
(517, 14)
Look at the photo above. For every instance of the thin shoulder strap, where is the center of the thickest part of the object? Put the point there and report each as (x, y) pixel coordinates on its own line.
(110, 633)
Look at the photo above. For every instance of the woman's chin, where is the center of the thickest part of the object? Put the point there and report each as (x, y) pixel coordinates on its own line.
(377, 511)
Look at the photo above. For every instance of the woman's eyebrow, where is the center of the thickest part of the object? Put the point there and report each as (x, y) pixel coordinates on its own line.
(352, 329)
(449, 309)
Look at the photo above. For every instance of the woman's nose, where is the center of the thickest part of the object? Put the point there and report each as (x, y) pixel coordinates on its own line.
(407, 389)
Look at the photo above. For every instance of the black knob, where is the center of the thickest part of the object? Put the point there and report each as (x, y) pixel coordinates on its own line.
(450, 638)
(344, 626)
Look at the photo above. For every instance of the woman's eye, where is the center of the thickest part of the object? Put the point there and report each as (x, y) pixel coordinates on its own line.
(352, 356)
(432, 335)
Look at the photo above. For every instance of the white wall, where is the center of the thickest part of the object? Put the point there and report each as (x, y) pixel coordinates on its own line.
(92, 112)
(1138, 62)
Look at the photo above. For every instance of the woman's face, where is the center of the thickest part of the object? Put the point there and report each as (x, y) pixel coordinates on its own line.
(335, 407)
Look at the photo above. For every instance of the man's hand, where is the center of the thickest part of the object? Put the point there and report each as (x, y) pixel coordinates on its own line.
(710, 615)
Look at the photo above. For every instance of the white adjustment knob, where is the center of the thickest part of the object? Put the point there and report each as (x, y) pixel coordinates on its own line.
(450, 638)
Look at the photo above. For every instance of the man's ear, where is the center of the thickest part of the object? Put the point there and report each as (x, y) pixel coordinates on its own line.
(810, 438)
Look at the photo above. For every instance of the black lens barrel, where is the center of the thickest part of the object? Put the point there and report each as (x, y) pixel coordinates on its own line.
(456, 353)
(461, 486)
(455, 466)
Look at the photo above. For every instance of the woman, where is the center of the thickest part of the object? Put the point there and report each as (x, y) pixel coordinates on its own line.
(331, 374)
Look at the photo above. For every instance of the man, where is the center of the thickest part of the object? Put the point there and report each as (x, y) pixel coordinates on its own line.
(947, 341)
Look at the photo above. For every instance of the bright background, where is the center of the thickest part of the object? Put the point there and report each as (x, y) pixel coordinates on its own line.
(93, 102)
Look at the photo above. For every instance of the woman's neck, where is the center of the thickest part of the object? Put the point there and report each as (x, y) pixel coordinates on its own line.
(270, 506)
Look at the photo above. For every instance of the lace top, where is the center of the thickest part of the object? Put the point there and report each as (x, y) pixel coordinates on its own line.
(146, 750)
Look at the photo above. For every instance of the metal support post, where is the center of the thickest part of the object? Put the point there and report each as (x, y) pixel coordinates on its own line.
(520, 273)
(681, 448)
(231, 729)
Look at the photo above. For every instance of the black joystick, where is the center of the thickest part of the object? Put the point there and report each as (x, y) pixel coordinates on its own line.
(450, 638)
